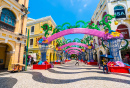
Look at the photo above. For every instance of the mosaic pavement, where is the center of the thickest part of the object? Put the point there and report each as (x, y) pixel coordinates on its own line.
(65, 76)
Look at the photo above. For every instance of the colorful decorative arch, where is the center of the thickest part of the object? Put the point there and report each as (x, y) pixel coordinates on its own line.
(75, 51)
(73, 48)
(73, 43)
(93, 32)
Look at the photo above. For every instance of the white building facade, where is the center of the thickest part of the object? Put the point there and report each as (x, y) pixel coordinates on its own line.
(122, 10)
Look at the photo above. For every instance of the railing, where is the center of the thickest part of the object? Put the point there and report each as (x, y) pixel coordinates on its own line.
(6, 26)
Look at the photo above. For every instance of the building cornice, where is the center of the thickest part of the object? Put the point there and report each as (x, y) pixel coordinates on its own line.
(41, 20)
(7, 1)
(35, 35)
(16, 3)
(12, 34)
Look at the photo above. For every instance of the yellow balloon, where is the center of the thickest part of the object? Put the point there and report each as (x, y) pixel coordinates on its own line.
(41, 31)
(116, 22)
(129, 16)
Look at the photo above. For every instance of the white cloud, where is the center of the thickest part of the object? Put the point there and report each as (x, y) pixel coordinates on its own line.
(85, 5)
(72, 2)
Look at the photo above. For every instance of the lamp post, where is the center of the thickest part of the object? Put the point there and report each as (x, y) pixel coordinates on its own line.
(27, 51)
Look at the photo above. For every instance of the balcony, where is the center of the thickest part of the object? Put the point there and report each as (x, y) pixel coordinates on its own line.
(5, 26)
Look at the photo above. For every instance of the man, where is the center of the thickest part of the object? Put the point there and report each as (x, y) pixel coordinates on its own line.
(77, 61)
(105, 65)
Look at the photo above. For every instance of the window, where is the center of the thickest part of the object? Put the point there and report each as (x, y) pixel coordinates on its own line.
(96, 13)
(98, 24)
(124, 31)
(17, 0)
(31, 42)
(8, 17)
(32, 30)
(36, 42)
(45, 26)
(105, 13)
(99, 41)
(1, 61)
(119, 12)
(26, 30)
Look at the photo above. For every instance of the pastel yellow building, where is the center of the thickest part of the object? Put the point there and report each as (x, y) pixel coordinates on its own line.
(13, 19)
(35, 32)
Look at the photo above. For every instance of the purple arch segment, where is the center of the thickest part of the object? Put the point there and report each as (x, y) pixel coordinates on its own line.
(73, 51)
(93, 32)
(73, 43)
(72, 48)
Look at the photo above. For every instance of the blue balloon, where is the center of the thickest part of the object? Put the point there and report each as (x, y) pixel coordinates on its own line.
(110, 31)
(40, 63)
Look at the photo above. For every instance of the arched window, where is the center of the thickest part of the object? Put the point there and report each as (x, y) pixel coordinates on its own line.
(124, 30)
(119, 12)
(105, 13)
(98, 24)
(8, 17)
(99, 41)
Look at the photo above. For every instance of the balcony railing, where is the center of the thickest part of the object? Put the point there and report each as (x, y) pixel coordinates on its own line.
(5, 26)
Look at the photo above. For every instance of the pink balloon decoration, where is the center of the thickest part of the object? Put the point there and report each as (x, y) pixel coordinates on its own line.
(73, 43)
(74, 48)
(121, 64)
(75, 51)
(93, 32)
(43, 63)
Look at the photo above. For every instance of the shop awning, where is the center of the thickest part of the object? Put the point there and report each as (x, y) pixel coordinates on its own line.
(107, 56)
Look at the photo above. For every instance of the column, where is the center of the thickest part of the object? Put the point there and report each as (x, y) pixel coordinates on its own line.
(0, 12)
(11, 57)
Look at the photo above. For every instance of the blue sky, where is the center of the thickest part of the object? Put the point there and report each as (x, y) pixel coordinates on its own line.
(63, 11)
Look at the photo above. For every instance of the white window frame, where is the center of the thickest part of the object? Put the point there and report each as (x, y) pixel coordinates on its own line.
(26, 31)
(31, 46)
(30, 51)
(32, 33)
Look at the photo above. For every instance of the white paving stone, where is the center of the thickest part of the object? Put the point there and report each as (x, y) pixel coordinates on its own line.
(66, 76)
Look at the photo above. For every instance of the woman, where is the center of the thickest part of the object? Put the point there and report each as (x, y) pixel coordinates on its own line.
(29, 62)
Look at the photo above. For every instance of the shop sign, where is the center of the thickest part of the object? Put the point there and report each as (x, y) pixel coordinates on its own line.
(120, 13)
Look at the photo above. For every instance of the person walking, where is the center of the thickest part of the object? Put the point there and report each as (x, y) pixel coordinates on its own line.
(77, 62)
(29, 61)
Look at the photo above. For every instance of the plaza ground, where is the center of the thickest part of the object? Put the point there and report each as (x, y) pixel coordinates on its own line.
(65, 76)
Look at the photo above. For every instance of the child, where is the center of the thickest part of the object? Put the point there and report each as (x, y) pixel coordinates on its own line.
(105, 65)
